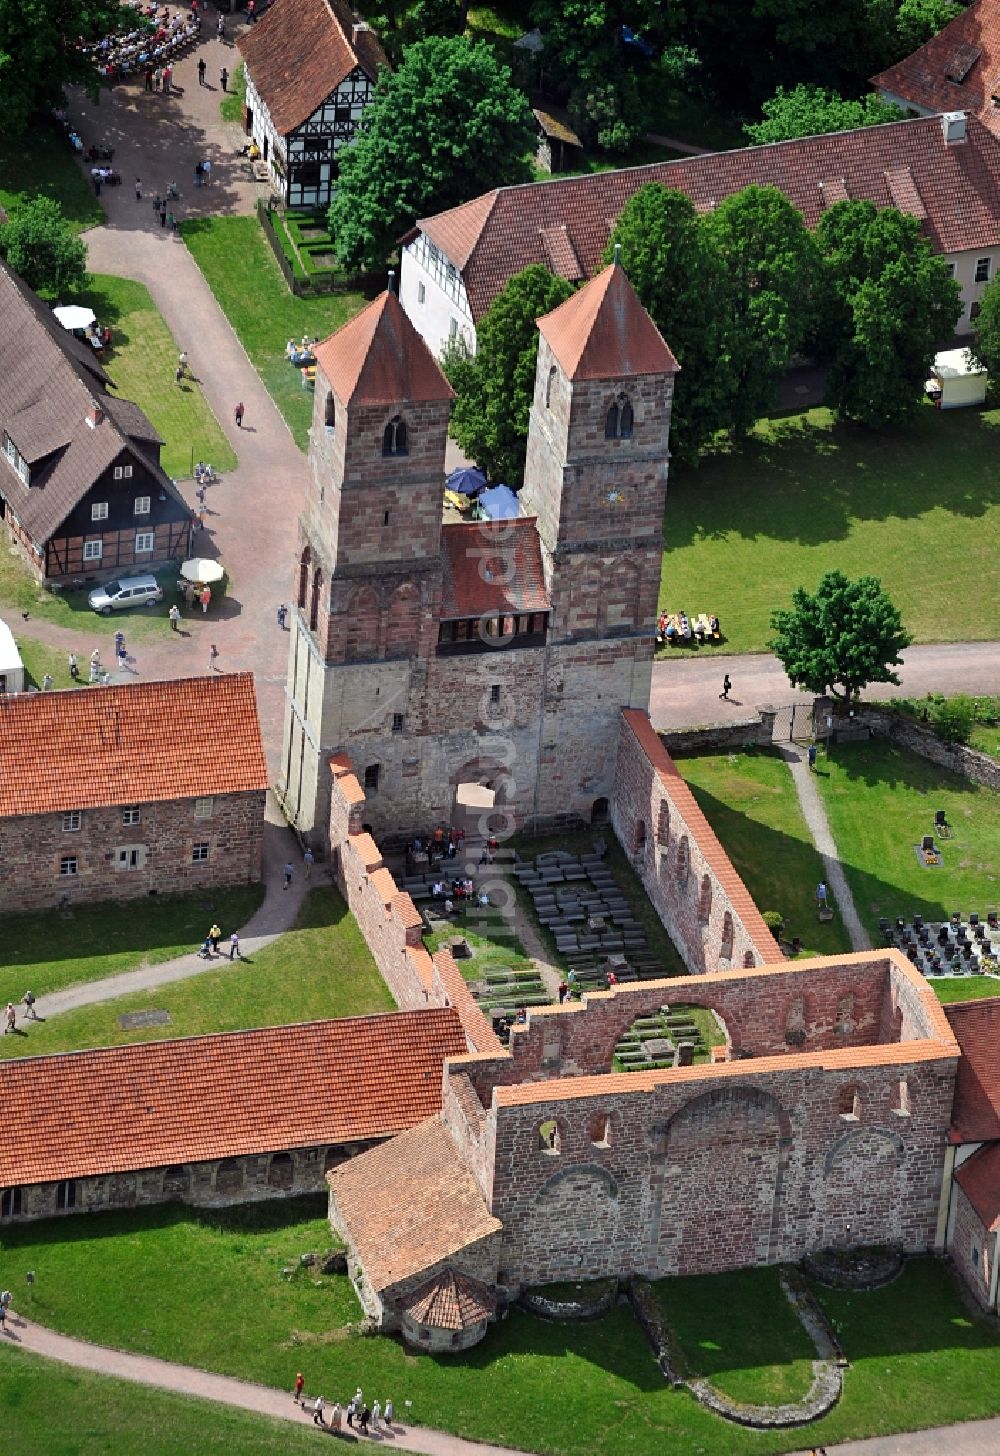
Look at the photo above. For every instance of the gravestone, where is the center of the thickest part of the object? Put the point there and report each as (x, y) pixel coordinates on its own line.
(134, 1020)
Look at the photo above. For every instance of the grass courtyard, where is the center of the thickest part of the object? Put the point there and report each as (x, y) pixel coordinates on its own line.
(48, 949)
(265, 315)
(880, 801)
(320, 968)
(918, 507)
(206, 1288)
(750, 801)
(47, 168)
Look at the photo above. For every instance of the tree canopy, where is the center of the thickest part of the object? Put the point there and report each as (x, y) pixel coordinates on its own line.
(918, 20)
(40, 245)
(39, 56)
(987, 345)
(444, 127)
(811, 110)
(769, 261)
(888, 305)
(844, 636)
(494, 388)
(680, 279)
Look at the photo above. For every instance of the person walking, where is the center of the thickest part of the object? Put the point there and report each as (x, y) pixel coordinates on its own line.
(197, 174)
(390, 1414)
(214, 935)
(289, 871)
(10, 1019)
(726, 687)
(138, 189)
(224, 78)
(30, 1014)
(47, 683)
(205, 597)
(213, 657)
(282, 616)
(97, 184)
(168, 75)
(811, 755)
(821, 896)
(202, 68)
(238, 413)
(297, 1392)
(251, 11)
(149, 78)
(309, 859)
(318, 1406)
(335, 1416)
(175, 615)
(234, 947)
(74, 667)
(220, 28)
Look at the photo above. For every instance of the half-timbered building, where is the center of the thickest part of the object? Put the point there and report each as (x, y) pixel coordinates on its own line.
(82, 490)
(310, 69)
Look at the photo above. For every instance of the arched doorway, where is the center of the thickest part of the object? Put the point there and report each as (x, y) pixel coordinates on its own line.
(599, 811)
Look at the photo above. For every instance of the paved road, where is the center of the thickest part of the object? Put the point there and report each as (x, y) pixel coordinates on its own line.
(686, 688)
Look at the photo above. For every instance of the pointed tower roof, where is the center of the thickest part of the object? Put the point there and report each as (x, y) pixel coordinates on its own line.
(379, 358)
(603, 332)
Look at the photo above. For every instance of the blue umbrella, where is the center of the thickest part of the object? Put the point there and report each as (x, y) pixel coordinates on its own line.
(466, 480)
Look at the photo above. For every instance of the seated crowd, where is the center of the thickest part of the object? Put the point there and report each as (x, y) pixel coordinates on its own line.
(675, 627)
(157, 37)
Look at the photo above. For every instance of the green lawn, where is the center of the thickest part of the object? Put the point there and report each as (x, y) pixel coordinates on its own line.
(739, 1332)
(321, 968)
(267, 315)
(964, 988)
(231, 105)
(142, 363)
(52, 1410)
(750, 801)
(44, 166)
(49, 949)
(912, 506)
(20, 592)
(206, 1288)
(880, 801)
(492, 943)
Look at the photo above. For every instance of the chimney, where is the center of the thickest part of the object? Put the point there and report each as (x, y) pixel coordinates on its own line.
(953, 124)
(618, 255)
(391, 283)
(358, 28)
(94, 415)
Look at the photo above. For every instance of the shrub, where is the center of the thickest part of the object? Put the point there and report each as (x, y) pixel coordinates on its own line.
(954, 719)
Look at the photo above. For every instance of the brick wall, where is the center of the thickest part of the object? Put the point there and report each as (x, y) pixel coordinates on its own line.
(971, 1245)
(686, 873)
(389, 920)
(32, 848)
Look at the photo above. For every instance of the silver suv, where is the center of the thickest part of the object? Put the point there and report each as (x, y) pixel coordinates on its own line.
(129, 591)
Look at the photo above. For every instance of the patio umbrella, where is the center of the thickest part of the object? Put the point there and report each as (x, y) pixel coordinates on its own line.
(202, 570)
(75, 316)
(499, 504)
(466, 480)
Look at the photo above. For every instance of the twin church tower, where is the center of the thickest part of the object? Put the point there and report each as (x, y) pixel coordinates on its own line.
(491, 655)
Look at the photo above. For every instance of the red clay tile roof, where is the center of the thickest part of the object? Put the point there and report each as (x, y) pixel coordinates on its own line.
(450, 1301)
(442, 1212)
(496, 235)
(979, 1180)
(245, 1092)
(976, 1113)
(379, 358)
(137, 743)
(968, 50)
(603, 332)
(559, 253)
(300, 51)
(492, 566)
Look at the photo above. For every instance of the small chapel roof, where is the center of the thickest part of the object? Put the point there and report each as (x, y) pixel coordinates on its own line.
(379, 358)
(603, 332)
(979, 1180)
(450, 1301)
(492, 566)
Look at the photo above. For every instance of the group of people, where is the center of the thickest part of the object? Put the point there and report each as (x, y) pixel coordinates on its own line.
(676, 627)
(301, 353)
(210, 945)
(463, 890)
(149, 47)
(10, 1014)
(357, 1415)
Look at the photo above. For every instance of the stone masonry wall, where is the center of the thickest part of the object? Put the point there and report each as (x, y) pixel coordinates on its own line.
(742, 1165)
(32, 848)
(687, 875)
(971, 1245)
(901, 729)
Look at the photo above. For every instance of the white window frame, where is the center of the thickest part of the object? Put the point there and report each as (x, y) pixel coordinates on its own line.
(131, 814)
(99, 511)
(142, 505)
(93, 550)
(204, 808)
(421, 293)
(65, 861)
(143, 537)
(72, 820)
(984, 267)
(197, 854)
(123, 472)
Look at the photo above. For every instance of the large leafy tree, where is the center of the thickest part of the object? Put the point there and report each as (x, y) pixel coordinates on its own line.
(769, 261)
(445, 126)
(493, 389)
(681, 281)
(844, 636)
(811, 110)
(987, 345)
(39, 55)
(889, 305)
(39, 244)
(918, 20)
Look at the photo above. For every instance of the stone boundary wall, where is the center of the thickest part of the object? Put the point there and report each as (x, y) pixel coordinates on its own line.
(388, 919)
(691, 883)
(908, 733)
(757, 732)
